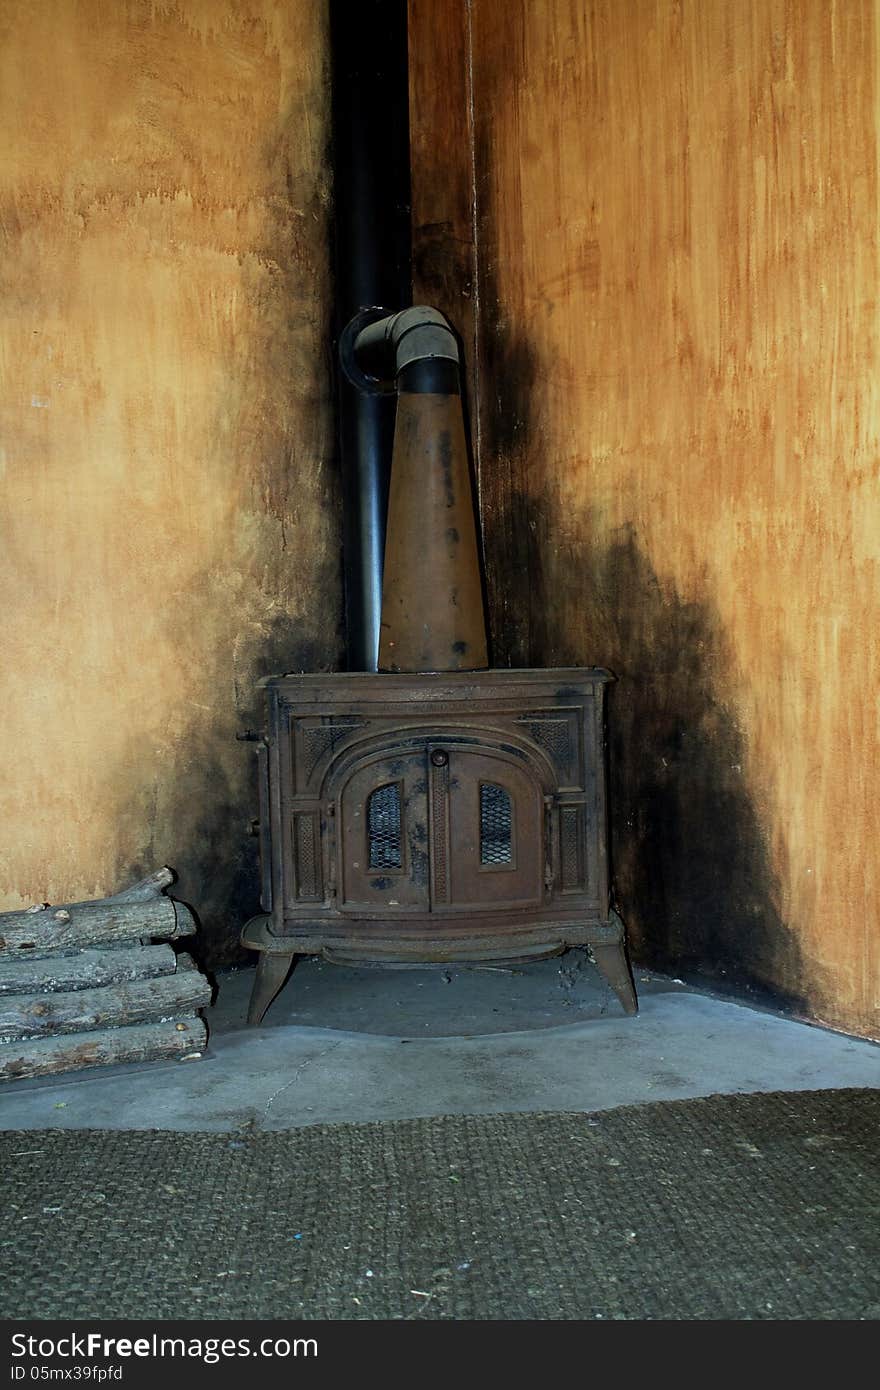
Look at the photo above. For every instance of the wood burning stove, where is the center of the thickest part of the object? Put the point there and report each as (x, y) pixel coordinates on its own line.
(434, 810)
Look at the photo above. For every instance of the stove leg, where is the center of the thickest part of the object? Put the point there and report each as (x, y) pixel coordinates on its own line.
(611, 962)
(273, 968)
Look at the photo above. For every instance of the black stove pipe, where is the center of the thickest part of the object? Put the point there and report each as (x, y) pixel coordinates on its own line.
(372, 253)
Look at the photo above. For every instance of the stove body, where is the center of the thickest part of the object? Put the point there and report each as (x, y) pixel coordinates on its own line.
(435, 817)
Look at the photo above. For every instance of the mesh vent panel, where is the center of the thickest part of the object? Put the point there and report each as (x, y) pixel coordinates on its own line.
(571, 846)
(383, 827)
(306, 857)
(495, 825)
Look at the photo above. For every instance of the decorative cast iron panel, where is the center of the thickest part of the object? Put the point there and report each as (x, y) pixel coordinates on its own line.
(320, 740)
(305, 839)
(571, 846)
(558, 737)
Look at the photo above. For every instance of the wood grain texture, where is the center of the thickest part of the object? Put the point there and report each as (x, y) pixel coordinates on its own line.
(87, 924)
(442, 170)
(111, 1006)
(86, 969)
(139, 1042)
(677, 270)
(171, 523)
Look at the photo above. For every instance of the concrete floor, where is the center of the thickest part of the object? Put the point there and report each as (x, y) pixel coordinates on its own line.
(342, 1044)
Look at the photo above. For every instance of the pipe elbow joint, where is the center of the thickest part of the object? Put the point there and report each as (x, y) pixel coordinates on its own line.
(421, 334)
(375, 354)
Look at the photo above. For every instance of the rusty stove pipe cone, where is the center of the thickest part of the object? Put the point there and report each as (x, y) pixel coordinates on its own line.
(432, 596)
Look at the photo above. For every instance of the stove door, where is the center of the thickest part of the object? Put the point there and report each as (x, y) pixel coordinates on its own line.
(486, 831)
(384, 835)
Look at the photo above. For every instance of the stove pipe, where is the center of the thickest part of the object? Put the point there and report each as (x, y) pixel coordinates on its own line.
(372, 250)
(432, 598)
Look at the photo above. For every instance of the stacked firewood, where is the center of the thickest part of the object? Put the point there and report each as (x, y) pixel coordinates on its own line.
(92, 983)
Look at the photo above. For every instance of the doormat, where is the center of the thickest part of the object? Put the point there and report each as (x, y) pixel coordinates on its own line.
(730, 1207)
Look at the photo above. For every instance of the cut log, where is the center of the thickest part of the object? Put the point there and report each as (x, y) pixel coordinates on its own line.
(75, 970)
(83, 924)
(113, 1006)
(142, 1042)
(147, 888)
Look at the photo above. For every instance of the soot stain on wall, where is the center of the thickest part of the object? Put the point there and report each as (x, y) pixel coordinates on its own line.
(690, 862)
(206, 825)
(206, 822)
(508, 380)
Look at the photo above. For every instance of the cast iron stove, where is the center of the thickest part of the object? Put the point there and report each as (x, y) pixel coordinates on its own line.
(435, 810)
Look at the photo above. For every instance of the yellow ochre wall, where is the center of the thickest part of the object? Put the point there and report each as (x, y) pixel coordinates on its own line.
(168, 512)
(676, 429)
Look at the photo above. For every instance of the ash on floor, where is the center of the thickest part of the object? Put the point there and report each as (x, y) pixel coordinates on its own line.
(439, 1001)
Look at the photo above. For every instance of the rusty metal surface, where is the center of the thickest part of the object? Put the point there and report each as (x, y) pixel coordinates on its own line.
(432, 597)
(446, 817)
(354, 953)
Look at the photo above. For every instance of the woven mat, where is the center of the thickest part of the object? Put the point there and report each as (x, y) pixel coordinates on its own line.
(733, 1207)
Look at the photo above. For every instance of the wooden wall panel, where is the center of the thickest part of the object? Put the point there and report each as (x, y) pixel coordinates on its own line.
(677, 287)
(442, 171)
(169, 513)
